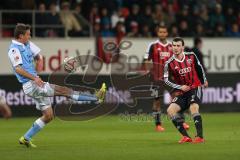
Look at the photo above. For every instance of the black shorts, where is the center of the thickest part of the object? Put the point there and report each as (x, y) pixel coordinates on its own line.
(192, 96)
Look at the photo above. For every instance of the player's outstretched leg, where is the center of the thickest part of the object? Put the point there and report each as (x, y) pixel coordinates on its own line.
(194, 108)
(172, 110)
(98, 97)
(101, 93)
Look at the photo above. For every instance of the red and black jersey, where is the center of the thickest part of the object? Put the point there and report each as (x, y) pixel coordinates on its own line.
(188, 71)
(158, 53)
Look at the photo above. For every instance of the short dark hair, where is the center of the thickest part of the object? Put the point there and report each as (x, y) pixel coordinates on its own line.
(177, 39)
(21, 29)
(197, 40)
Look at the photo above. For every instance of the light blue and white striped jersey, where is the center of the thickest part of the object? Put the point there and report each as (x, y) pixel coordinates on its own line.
(23, 54)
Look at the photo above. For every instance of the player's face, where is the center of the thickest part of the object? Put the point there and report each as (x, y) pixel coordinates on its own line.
(25, 37)
(177, 47)
(162, 33)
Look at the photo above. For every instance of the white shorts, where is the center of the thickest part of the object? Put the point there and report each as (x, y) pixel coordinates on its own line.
(41, 95)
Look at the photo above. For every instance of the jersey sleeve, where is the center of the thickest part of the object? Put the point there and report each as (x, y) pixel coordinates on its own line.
(200, 71)
(34, 49)
(149, 52)
(15, 56)
(166, 77)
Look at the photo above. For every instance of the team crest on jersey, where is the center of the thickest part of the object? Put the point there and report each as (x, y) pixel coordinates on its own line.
(189, 61)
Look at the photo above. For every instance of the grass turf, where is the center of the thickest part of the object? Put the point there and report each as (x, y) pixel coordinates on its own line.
(111, 137)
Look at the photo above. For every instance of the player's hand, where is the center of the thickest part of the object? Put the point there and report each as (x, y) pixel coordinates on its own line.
(205, 85)
(39, 81)
(185, 88)
(176, 93)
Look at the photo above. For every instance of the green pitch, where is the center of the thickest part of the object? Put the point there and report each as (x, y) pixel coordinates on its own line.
(112, 138)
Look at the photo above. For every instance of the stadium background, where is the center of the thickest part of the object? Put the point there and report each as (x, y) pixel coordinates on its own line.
(128, 132)
(223, 94)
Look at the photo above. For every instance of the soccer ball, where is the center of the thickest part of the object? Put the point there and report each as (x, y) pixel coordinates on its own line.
(70, 64)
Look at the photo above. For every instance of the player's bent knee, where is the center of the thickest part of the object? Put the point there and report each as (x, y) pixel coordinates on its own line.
(48, 118)
(173, 109)
(194, 108)
(170, 111)
(48, 115)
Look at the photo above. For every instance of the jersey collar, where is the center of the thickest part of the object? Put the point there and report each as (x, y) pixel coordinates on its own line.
(17, 43)
(178, 59)
(164, 45)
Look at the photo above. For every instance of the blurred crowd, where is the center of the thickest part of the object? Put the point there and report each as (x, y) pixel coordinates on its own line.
(131, 18)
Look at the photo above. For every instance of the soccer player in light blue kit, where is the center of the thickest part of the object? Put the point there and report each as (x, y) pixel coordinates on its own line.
(22, 54)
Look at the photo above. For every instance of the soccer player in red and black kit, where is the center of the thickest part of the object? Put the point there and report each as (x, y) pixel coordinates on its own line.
(188, 78)
(158, 52)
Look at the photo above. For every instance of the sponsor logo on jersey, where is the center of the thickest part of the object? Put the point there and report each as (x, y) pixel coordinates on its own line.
(185, 70)
(164, 54)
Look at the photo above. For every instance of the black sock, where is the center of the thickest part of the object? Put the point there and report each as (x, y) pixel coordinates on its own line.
(198, 124)
(182, 116)
(178, 122)
(157, 117)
